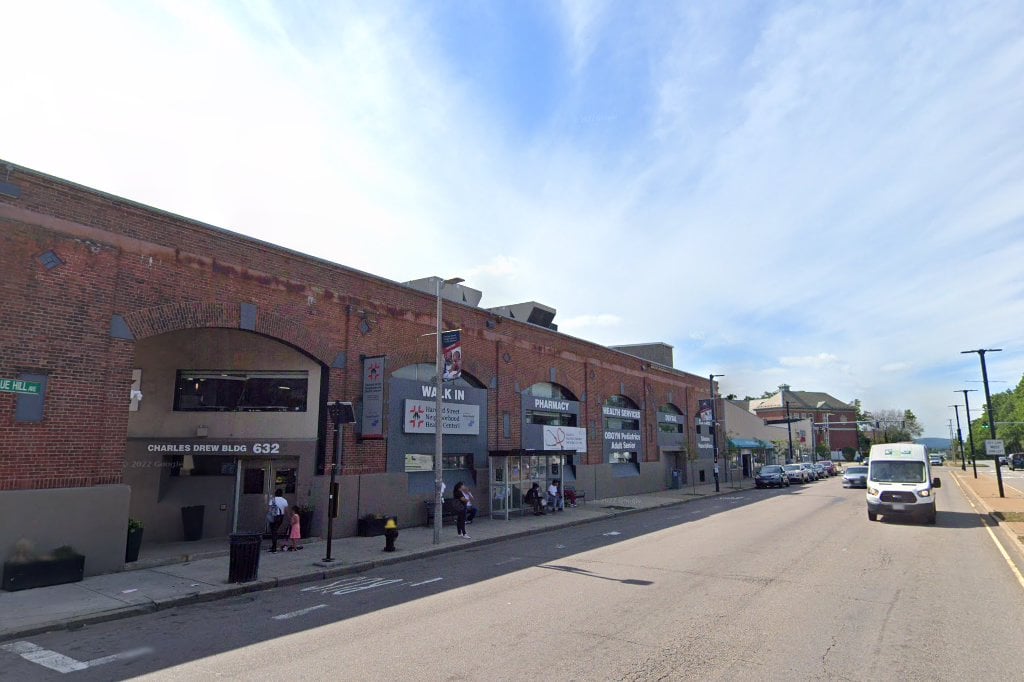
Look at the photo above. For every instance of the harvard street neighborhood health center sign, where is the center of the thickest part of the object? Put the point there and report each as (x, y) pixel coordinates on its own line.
(19, 386)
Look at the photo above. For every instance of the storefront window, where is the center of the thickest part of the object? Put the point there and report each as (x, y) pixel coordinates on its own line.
(232, 391)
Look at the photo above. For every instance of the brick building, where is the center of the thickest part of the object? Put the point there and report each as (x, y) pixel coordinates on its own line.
(833, 422)
(177, 365)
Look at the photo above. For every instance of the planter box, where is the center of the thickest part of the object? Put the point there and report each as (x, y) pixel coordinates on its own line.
(43, 572)
(133, 545)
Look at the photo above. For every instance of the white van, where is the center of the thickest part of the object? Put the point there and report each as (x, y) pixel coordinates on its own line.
(900, 482)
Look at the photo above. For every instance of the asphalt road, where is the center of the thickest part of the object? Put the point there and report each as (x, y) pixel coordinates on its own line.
(762, 584)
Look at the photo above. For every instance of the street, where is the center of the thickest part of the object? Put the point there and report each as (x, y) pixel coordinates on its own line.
(759, 584)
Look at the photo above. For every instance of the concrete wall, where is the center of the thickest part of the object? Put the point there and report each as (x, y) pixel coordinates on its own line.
(94, 521)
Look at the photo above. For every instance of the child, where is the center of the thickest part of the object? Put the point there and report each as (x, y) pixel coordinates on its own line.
(296, 532)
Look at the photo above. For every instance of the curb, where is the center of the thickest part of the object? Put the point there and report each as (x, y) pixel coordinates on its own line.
(235, 590)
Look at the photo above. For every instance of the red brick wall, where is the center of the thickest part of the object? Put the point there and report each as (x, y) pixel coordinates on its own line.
(163, 273)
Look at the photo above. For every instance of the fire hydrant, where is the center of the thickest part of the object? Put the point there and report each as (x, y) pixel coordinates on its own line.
(390, 534)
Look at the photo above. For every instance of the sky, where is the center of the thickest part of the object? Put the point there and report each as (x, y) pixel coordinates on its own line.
(828, 195)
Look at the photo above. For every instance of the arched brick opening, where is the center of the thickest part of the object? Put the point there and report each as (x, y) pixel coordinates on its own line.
(172, 317)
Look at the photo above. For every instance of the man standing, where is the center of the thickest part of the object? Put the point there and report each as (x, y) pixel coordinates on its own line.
(275, 515)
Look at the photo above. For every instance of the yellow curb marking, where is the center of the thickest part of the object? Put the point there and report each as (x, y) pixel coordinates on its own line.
(988, 527)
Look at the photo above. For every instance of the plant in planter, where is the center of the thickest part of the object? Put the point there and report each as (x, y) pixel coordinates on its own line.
(24, 569)
(134, 541)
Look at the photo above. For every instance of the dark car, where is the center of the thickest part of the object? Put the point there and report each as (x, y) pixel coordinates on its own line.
(855, 477)
(830, 467)
(770, 476)
(1017, 461)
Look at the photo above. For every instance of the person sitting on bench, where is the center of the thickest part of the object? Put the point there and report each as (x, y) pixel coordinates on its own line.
(555, 500)
(533, 496)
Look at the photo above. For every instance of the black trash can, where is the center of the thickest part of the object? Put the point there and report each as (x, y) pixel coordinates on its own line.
(677, 479)
(244, 563)
(192, 521)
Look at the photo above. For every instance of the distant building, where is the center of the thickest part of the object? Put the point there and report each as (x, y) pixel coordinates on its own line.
(833, 422)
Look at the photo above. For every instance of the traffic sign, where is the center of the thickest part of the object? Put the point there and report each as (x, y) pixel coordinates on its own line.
(19, 386)
(994, 448)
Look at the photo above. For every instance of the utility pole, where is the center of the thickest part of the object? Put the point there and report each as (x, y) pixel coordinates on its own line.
(960, 438)
(714, 425)
(789, 431)
(988, 402)
(970, 431)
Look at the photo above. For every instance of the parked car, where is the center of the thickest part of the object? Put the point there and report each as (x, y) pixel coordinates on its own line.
(770, 476)
(830, 467)
(855, 477)
(1004, 460)
(796, 473)
(819, 469)
(1017, 461)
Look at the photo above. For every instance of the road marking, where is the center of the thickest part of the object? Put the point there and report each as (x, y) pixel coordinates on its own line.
(432, 580)
(65, 664)
(300, 612)
(986, 522)
(614, 532)
(370, 584)
(335, 584)
(507, 561)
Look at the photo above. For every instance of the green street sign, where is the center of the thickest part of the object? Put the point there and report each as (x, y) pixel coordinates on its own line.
(19, 386)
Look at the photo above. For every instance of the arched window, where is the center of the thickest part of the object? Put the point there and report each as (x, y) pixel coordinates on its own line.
(669, 425)
(426, 373)
(622, 431)
(558, 396)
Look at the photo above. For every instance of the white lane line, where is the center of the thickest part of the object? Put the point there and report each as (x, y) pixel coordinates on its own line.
(335, 584)
(614, 532)
(300, 612)
(65, 664)
(507, 561)
(377, 582)
(432, 580)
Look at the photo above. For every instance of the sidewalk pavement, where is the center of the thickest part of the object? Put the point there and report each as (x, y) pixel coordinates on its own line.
(190, 572)
(1008, 511)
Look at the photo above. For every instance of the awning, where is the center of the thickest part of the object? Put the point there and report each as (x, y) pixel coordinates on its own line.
(749, 443)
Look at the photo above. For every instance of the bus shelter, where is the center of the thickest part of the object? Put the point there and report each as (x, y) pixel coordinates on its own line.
(513, 472)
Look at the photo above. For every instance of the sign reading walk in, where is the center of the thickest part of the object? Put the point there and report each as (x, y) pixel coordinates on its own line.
(19, 386)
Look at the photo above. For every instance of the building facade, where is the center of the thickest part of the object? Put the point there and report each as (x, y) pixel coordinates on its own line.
(833, 423)
(171, 366)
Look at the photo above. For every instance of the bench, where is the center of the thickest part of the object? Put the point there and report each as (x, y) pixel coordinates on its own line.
(447, 510)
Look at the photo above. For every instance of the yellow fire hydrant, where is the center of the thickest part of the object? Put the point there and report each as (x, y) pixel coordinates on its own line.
(390, 534)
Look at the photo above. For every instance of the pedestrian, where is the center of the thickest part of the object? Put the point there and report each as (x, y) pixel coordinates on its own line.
(460, 501)
(555, 501)
(295, 530)
(275, 515)
(534, 497)
(471, 509)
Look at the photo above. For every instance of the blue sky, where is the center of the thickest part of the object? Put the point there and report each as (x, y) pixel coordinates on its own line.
(823, 194)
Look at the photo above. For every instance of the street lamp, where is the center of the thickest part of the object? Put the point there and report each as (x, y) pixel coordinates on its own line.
(988, 402)
(970, 431)
(438, 422)
(341, 413)
(789, 431)
(714, 425)
(960, 438)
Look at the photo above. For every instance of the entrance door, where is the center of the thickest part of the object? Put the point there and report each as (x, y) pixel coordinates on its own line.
(259, 479)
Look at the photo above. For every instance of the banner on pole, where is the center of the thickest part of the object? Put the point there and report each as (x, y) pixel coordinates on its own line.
(373, 397)
(451, 342)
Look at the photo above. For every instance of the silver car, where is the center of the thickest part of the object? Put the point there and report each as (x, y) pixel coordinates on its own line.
(796, 473)
(855, 477)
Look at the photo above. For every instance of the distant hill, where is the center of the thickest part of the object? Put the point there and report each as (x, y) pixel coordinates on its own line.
(934, 443)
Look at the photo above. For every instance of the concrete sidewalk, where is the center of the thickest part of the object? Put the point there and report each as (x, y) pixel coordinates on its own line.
(187, 573)
(1007, 511)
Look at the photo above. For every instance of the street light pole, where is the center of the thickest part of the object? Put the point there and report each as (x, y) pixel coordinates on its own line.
(960, 438)
(988, 401)
(438, 406)
(341, 413)
(714, 425)
(970, 431)
(789, 431)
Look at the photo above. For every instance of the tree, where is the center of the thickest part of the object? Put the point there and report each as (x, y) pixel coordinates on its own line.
(896, 425)
(1008, 412)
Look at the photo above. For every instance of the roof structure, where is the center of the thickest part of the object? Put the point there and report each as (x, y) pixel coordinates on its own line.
(805, 400)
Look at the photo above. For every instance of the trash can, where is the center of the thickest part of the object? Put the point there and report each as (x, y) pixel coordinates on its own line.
(244, 563)
(677, 479)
